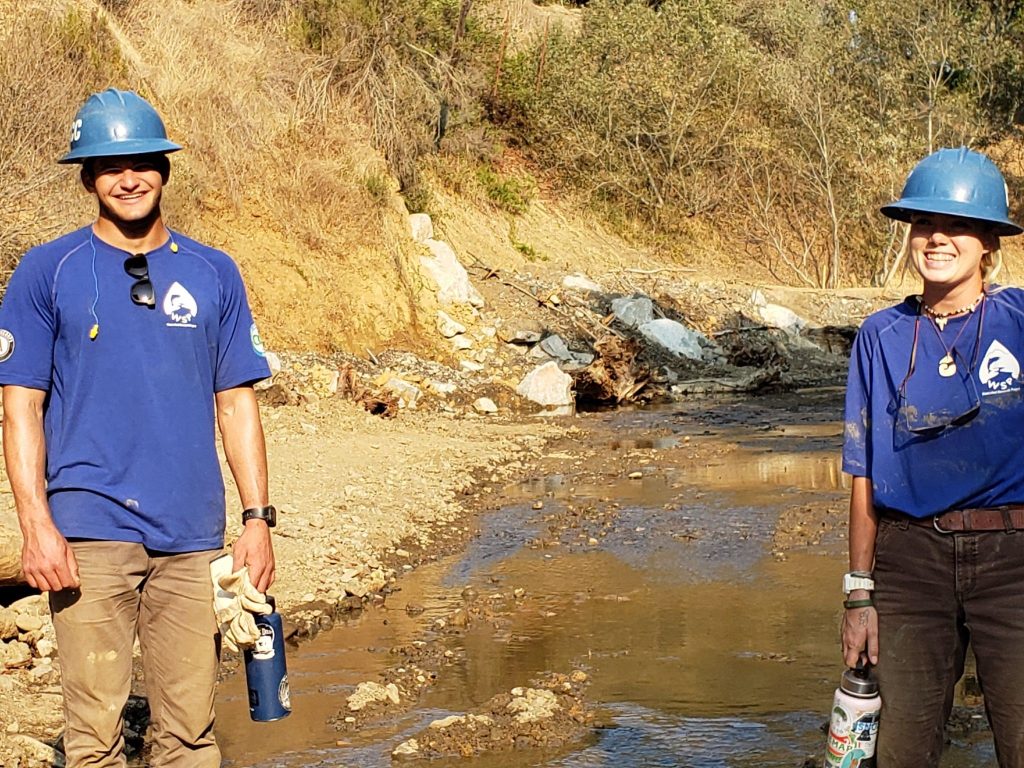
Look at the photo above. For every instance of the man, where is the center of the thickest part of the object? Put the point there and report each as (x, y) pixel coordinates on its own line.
(120, 345)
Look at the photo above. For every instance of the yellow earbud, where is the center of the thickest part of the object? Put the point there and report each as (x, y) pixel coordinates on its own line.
(174, 247)
(94, 331)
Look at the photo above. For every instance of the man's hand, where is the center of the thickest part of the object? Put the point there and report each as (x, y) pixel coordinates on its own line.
(860, 635)
(254, 549)
(48, 562)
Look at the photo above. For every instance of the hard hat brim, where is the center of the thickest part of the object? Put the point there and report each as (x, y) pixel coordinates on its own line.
(120, 149)
(902, 210)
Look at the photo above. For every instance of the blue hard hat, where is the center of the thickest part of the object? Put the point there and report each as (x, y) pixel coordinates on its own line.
(956, 182)
(114, 123)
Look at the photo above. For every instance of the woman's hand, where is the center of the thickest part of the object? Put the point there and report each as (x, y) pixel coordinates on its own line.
(860, 635)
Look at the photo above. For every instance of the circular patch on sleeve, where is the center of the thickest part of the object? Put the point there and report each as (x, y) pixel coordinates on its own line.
(254, 336)
(6, 344)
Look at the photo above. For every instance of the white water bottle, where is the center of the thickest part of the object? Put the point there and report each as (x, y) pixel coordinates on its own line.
(853, 726)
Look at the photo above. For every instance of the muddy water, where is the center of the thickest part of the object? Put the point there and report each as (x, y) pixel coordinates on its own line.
(708, 641)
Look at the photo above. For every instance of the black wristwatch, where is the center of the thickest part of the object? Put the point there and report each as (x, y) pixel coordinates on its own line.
(267, 514)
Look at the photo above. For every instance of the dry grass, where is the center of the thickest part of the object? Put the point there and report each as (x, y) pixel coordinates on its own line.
(277, 171)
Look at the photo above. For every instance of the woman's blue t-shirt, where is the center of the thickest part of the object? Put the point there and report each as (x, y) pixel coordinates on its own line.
(932, 443)
(129, 415)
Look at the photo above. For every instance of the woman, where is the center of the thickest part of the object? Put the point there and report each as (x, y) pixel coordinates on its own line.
(934, 422)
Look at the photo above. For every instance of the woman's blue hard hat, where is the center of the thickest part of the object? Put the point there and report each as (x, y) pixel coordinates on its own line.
(116, 123)
(956, 182)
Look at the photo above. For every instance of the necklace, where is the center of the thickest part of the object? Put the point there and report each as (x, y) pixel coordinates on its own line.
(947, 364)
(941, 318)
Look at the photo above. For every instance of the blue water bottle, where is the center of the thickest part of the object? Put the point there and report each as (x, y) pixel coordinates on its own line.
(266, 673)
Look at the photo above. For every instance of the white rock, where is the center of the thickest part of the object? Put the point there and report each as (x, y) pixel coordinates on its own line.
(461, 342)
(368, 693)
(406, 749)
(581, 282)
(673, 336)
(633, 311)
(547, 385)
(408, 394)
(453, 285)
(448, 327)
(778, 316)
(274, 362)
(469, 365)
(485, 405)
(421, 227)
(535, 704)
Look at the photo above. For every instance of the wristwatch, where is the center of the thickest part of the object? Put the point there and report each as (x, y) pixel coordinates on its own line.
(857, 580)
(267, 514)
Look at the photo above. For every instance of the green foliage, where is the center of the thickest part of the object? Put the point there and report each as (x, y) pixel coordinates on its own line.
(509, 193)
(87, 43)
(379, 188)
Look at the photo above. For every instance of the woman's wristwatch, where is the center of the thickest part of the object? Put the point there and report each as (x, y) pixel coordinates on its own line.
(267, 514)
(858, 580)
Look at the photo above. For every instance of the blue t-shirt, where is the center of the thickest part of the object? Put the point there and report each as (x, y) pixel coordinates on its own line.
(932, 443)
(129, 417)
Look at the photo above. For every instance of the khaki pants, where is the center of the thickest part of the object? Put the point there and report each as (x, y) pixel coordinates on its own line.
(167, 599)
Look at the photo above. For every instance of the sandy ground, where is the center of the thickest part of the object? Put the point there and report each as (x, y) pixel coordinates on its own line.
(359, 498)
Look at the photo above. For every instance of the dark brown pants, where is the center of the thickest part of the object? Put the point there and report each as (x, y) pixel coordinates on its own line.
(936, 593)
(167, 601)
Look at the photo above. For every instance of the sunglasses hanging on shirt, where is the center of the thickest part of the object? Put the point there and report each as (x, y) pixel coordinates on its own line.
(142, 292)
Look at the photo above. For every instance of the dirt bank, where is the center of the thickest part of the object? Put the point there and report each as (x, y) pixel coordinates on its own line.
(358, 496)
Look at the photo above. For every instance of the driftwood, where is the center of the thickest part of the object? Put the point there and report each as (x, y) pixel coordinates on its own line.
(614, 377)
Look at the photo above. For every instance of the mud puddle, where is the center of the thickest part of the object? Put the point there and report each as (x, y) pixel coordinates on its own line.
(685, 558)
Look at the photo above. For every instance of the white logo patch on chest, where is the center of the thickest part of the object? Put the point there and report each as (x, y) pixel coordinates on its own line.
(999, 369)
(180, 306)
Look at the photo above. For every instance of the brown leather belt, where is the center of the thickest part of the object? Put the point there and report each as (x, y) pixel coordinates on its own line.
(1009, 519)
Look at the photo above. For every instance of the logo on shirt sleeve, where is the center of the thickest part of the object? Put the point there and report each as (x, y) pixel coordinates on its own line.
(6, 344)
(257, 342)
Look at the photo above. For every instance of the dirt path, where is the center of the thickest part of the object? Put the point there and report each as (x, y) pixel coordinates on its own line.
(359, 496)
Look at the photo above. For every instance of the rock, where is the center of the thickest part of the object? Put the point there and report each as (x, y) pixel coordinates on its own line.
(521, 335)
(461, 342)
(485, 405)
(421, 227)
(37, 751)
(8, 624)
(29, 623)
(556, 347)
(34, 605)
(451, 278)
(408, 394)
(448, 327)
(406, 749)
(274, 362)
(16, 654)
(778, 316)
(471, 366)
(581, 282)
(533, 704)
(370, 693)
(549, 386)
(674, 337)
(633, 311)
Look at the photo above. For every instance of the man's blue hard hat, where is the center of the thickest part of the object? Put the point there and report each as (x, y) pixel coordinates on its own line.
(115, 123)
(956, 182)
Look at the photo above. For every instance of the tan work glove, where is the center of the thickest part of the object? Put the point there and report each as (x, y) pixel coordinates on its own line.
(235, 600)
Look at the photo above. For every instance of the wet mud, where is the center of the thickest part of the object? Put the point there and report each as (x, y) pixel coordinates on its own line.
(680, 564)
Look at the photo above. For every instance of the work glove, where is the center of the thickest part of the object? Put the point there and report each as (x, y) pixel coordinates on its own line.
(235, 600)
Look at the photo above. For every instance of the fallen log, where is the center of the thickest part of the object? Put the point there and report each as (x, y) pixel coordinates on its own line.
(614, 377)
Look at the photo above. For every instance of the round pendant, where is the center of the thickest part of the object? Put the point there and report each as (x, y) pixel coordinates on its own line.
(947, 366)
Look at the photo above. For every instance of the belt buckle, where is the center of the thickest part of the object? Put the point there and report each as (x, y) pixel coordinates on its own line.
(935, 525)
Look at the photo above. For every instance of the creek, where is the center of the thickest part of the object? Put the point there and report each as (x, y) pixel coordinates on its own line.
(700, 596)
